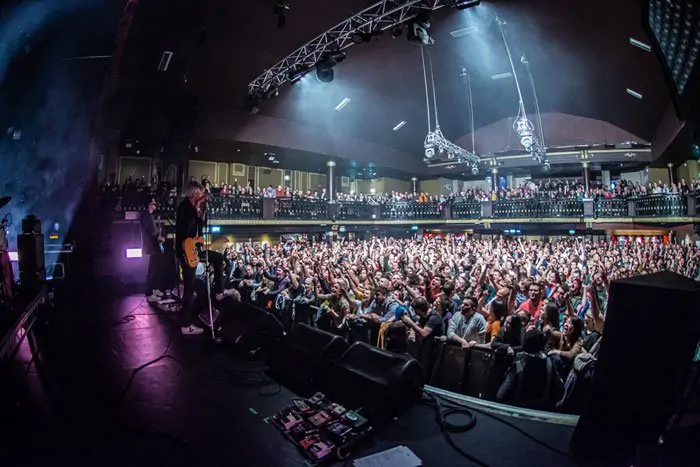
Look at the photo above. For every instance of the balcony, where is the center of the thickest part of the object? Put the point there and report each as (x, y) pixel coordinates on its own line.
(238, 209)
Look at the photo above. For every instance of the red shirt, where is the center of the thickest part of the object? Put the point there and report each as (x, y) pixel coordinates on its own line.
(530, 308)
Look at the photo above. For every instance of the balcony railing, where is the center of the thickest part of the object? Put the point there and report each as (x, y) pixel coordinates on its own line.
(662, 205)
(255, 207)
(410, 211)
(466, 210)
(611, 207)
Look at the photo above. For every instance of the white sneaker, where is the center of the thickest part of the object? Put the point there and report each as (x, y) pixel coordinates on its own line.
(152, 298)
(191, 330)
(157, 293)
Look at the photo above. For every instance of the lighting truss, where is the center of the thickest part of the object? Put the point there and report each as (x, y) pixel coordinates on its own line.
(436, 144)
(368, 23)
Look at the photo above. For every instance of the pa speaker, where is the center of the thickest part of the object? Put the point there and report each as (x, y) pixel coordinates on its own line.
(652, 328)
(384, 384)
(32, 268)
(247, 328)
(302, 356)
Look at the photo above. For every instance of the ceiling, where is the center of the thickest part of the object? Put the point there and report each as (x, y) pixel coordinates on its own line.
(579, 52)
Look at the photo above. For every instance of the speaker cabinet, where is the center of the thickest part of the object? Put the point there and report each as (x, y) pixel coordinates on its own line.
(652, 329)
(384, 384)
(32, 268)
(302, 356)
(248, 328)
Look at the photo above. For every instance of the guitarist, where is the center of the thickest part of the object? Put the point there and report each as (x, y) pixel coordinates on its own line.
(152, 240)
(189, 223)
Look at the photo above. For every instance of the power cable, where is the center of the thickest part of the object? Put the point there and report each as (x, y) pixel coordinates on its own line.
(448, 428)
(512, 425)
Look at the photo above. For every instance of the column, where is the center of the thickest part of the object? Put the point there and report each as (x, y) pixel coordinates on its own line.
(413, 181)
(586, 176)
(670, 173)
(494, 179)
(331, 181)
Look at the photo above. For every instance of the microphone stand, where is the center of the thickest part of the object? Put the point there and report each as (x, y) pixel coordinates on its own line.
(207, 279)
(177, 265)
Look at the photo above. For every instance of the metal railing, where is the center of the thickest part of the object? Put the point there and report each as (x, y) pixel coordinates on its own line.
(354, 210)
(611, 207)
(301, 208)
(256, 207)
(669, 205)
(515, 208)
(411, 211)
(466, 210)
(235, 207)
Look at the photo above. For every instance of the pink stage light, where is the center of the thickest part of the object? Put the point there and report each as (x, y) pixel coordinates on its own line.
(133, 253)
(14, 256)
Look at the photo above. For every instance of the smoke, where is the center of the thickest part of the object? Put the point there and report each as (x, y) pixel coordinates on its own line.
(44, 151)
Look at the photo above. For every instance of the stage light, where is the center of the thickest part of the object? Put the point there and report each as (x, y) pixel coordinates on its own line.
(215, 229)
(252, 102)
(475, 170)
(324, 67)
(546, 166)
(13, 256)
(133, 253)
(464, 4)
(418, 30)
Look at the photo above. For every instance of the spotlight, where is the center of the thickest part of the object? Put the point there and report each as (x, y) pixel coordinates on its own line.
(360, 37)
(252, 102)
(475, 170)
(297, 73)
(546, 166)
(464, 4)
(324, 67)
(418, 30)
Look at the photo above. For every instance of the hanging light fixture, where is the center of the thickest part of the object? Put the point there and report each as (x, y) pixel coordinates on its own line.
(531, 142)
(435, 143)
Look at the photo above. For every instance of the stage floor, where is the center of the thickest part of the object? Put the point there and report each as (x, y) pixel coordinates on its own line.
(79, 402)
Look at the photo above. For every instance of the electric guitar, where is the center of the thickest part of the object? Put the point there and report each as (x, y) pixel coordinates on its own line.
(191, 249)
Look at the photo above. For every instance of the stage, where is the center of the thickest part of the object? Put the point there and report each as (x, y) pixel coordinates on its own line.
(82, 401)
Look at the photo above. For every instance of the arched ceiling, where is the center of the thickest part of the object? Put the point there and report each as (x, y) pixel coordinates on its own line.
(580, 55)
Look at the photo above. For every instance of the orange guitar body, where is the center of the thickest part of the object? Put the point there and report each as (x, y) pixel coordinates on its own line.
(190, 247)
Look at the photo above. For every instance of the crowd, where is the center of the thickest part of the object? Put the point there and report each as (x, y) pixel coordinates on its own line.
(538, 307)
(134, 192)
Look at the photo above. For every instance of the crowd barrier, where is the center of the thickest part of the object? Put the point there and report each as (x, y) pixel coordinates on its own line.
(255, 207)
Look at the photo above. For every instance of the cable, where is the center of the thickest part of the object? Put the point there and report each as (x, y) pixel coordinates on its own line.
(512, 425)
(447, 428)
(130, 316)
(136, 370)
(425, 79)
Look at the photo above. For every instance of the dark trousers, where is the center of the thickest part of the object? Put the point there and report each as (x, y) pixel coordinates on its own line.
(152, 276)
(187, 311)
